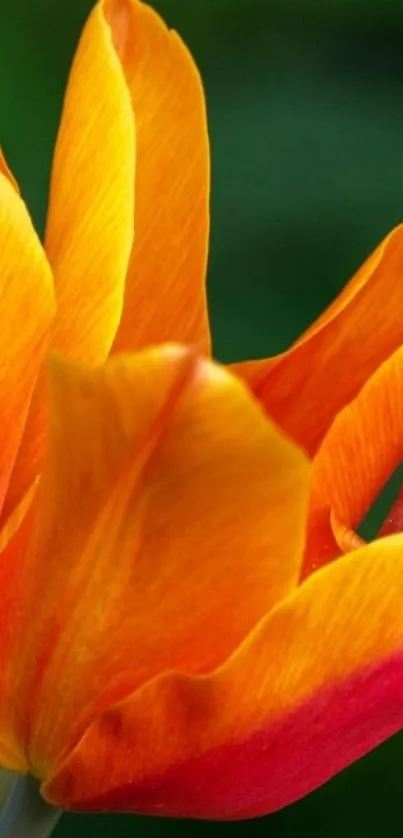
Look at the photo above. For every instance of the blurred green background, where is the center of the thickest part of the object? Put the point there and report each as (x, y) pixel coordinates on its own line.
(305, 101)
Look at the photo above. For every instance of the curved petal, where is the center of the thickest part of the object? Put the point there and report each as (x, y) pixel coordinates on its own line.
(90, 224)
(361, 451)
(165, 291)
(306, 387)
(6, 171)
(169, 505)
(318, 684)
(27, 310)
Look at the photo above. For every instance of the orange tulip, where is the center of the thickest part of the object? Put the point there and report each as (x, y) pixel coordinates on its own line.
(159, 651)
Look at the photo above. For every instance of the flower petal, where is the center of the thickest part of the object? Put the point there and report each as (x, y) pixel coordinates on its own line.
(316, 685)
(6, 171)
(169, 505)
(90, 225)
(126, 60)
(165, 292)
(305, 388)
(361, 451)
(27, 310)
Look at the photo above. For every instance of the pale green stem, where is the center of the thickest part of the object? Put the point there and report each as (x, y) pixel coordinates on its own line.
(26, 814)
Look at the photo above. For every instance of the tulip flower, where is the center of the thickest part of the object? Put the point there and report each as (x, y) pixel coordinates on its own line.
(186, 628)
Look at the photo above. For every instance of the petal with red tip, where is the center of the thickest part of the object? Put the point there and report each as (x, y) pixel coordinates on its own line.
(305, 388)
(169, 506)
(314, 687)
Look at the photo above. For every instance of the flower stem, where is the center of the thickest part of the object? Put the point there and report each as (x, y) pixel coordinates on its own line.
(26, 814)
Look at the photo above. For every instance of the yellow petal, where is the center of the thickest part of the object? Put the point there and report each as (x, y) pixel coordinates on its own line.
(6, 171)
(90, 225)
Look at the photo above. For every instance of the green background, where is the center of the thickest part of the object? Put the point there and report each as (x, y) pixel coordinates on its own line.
(305, 101)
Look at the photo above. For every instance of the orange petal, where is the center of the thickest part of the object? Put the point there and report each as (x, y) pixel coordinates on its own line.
(358, 455)
(305, 388)
(27, 309)
(315, 686)
(90, 224)
(169, 506)
(165, 293)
